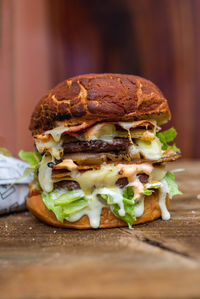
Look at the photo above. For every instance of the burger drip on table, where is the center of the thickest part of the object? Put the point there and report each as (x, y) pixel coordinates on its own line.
(101, 156)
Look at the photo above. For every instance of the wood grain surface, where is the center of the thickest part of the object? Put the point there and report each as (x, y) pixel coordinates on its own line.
(154, 260)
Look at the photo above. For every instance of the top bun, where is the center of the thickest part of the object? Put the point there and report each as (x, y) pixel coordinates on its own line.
(100, 97)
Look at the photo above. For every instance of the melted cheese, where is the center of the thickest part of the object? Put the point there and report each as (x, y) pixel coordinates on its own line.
(157, 174)
(103, 131)
(150, 150)
(106, 176)
(134, 152)
(57, 132)
(45, 174)
(55, 148)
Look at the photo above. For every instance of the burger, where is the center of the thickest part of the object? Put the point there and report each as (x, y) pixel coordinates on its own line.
(100, 159)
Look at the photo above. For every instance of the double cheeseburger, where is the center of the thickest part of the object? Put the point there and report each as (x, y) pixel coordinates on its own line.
(101, 155)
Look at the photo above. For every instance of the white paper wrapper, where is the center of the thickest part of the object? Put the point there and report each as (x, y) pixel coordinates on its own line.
(13, 197)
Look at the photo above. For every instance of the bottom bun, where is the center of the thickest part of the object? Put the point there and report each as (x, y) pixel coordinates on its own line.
(37, 207)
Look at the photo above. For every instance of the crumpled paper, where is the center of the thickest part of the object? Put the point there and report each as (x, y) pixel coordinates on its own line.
(13, 196)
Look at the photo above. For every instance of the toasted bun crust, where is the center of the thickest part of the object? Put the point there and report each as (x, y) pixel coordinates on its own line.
(100, 97)
(108, 220)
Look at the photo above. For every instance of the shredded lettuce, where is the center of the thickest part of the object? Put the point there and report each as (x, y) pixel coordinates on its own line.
(150, 188)
(173, 188)
(128, 202)
(166, 137)
(65, 203)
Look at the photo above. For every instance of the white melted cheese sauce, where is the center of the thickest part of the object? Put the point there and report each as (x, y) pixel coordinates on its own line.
(139, 207)
(93, 211)
(117, 197)
(162, 200)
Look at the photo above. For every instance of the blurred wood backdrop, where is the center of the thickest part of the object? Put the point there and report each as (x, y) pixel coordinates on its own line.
(46, 41)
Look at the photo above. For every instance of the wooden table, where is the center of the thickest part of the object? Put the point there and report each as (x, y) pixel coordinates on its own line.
(154, 260)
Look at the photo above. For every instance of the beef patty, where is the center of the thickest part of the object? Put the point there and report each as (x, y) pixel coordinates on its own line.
(69, 185)
(96, 146)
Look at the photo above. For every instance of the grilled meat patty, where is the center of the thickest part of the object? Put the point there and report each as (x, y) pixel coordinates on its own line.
(69, 185)
(96, 146)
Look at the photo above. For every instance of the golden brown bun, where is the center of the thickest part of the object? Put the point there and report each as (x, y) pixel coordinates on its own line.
(100, 97)
(108, 220)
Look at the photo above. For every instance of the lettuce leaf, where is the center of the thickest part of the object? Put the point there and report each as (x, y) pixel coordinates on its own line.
(64, 203)
(150, 188)
(32, 158)
(173, 188)
(129, 211)
(128, 192)
(129, 204)
(69, 197)
(168, 136)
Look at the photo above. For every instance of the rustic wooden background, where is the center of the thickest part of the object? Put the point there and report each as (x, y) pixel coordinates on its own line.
(156, 260)
(46, 41)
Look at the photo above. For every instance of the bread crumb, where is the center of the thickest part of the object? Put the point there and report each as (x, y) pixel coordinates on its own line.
(198, 196)
(54, 231)
(30, 227)
(193, 212)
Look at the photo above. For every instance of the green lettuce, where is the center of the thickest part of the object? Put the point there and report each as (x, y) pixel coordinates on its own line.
(150, 189)
(65, 203)
(168, 136)
(173, 188)
(170, 179)
(128, 202)
(33, 159)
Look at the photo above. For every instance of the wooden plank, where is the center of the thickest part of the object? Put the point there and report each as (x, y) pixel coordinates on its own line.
(154, 260)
